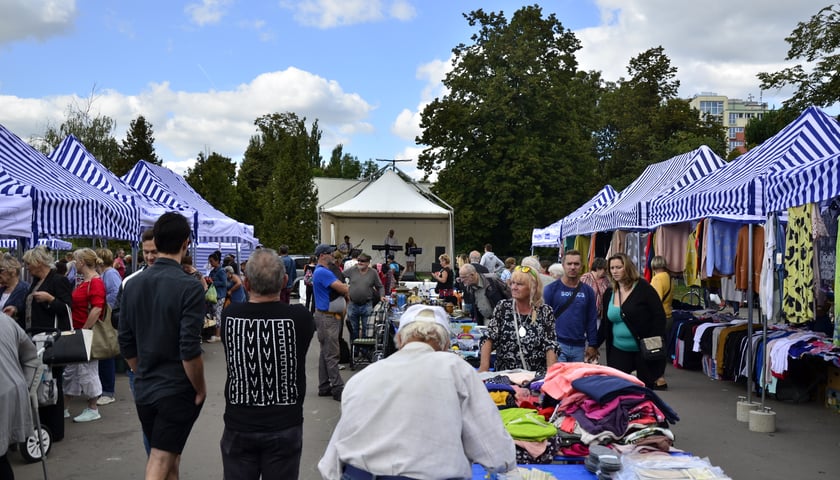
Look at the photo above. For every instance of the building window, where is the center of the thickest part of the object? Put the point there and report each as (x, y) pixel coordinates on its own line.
(733, 118)
(711, 107)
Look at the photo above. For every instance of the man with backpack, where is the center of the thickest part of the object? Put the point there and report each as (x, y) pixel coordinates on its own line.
(486, 289)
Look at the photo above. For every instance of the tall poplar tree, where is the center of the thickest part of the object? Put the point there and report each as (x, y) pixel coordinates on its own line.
(276, 178)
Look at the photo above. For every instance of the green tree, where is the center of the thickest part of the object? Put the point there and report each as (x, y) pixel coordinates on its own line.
(369, 169)
(816, 42)
(342, 165)
(278, 168)
(771, 123)
(511, 142)
(643, 121)
(139, 144)
(94, 131)
(251, 180)
(214, 178)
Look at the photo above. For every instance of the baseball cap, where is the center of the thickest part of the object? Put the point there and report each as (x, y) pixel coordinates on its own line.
(425, 313)
(323, 248)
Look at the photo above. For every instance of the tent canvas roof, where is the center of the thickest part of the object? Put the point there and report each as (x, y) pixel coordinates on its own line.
(550, 236)
(388, 196)
(167, 187)
(62, 204)
(628, 210)
(74, 157)
(736, 191)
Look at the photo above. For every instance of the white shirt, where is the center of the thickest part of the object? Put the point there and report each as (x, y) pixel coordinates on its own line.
(421, 414)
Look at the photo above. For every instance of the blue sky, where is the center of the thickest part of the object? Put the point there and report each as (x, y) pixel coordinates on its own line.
(202, 71)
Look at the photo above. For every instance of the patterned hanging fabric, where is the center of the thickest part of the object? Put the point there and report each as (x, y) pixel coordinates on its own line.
(798, 294)
(837, 292)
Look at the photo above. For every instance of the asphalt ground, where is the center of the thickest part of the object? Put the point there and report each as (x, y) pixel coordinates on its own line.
(805, 445)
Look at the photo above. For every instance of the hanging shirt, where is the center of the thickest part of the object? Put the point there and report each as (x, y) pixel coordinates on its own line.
(798, 297)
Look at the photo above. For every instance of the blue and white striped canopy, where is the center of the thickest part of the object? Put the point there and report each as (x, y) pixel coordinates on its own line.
(568, 225)
(546, 237)
(52, 243)
(167, 187)
(15, 207)
(736, 192)
(811, 182)
(62, 204)
(74, 157)
(628, 210)
(203, 250)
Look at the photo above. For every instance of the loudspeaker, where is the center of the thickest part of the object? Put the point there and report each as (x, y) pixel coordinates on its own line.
(435, 266)
(439, 250)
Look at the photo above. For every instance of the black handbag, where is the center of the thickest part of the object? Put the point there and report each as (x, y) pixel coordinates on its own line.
(653, 348)
(69, 347)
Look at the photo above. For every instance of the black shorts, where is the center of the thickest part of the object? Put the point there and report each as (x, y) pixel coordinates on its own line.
(167, 422)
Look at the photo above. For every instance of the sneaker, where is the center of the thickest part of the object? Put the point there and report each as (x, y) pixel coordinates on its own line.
(336, 394)
(213, 339)
(88, 415)
(66, 413)
(105, 400)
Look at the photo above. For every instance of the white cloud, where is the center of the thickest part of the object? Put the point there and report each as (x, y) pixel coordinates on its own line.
(402, 10)
(334, 13)
(716, 45)
(207, 12)
(39, 19)
(186, 123)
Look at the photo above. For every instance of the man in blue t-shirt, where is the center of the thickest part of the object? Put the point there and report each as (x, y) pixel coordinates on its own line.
(575, 312)
(327, 323)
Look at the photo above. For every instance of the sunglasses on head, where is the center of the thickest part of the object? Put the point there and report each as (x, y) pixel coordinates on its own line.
(526, 269)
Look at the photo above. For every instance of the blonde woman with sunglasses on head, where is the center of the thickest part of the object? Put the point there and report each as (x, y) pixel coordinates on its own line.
(521, 329)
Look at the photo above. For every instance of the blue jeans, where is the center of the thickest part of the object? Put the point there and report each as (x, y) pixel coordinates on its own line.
(272, 455)
(358, 316)
(107, 375)
(570, 353)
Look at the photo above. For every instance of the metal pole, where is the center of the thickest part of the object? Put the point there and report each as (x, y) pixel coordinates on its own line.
(750, 363)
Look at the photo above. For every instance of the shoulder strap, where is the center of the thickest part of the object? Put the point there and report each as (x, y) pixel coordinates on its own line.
(569, 301)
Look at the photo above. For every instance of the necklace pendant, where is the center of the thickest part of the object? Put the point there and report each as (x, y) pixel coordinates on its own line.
(522, 331)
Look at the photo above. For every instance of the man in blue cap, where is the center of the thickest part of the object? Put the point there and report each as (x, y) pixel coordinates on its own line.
(327, 322)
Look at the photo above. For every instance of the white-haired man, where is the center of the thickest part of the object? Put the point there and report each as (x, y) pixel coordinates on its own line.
(460, 424)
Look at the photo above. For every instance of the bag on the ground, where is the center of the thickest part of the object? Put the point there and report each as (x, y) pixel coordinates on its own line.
(652, 348)
(104, 344)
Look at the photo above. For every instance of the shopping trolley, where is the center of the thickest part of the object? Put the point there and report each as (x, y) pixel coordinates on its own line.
(375, 341)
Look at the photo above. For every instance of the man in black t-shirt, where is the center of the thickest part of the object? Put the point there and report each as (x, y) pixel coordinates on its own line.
(265, 344)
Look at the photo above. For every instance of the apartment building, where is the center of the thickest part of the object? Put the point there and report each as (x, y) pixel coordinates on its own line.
(733, 113)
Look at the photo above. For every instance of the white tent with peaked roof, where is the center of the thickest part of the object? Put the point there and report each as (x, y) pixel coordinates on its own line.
(389, 202)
